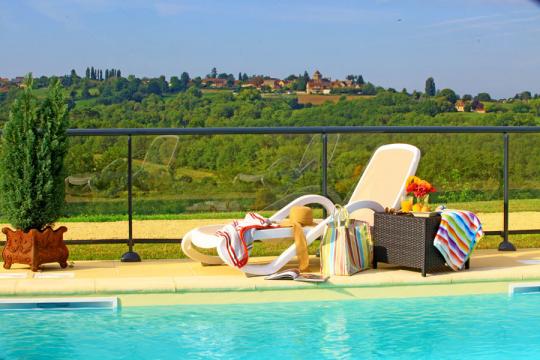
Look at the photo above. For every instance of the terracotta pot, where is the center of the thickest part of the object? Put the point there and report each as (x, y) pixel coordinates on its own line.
(35, 247)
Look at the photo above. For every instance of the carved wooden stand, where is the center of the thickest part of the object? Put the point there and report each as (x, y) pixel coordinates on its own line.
(35, 247)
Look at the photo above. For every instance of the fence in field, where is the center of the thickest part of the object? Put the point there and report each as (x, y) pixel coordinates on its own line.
(322, 131)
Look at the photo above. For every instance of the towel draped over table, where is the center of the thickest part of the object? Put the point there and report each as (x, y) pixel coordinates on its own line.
(457, 236)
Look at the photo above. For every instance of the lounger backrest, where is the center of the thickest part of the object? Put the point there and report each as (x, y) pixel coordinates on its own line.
(385, 176)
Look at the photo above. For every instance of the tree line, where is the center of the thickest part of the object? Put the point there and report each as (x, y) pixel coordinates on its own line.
(463, 167)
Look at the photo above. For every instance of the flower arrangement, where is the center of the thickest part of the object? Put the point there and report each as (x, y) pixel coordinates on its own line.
(420, 189)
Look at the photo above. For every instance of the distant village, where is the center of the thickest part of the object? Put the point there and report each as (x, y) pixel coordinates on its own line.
(317, 84)
(5, 83)
(302, 84)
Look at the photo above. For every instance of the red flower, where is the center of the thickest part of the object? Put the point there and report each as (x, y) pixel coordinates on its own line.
(419, 187)
(412, 187)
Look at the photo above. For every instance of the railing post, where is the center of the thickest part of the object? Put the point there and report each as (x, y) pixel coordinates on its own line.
(505, 245)
(130, 256)
(324, 168)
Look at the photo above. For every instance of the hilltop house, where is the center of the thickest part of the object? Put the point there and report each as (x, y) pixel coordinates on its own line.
(4, 85)
(318, 84)
(460, 105)
(254, 82)
(214, 82)
(19, 81)
(283, 83)
(480, 108)
(475, 106)
(273, 84)
(344, 84)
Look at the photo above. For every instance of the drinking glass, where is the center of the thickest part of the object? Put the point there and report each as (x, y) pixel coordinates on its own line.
(406, 203)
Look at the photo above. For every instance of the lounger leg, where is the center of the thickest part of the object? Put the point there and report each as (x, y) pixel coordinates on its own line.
(193, 254)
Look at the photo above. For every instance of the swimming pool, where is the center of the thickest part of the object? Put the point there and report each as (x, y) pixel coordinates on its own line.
(475, 327)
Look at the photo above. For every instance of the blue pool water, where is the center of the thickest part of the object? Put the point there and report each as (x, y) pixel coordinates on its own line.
(473, 327)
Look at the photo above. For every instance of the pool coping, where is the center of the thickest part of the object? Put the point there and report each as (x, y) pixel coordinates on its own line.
(188, 278)
(313, 294)
(183, 285)
(317, 292)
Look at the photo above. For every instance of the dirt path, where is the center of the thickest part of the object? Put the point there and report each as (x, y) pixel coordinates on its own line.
(148, 229)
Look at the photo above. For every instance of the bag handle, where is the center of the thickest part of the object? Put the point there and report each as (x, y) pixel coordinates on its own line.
(340, 213)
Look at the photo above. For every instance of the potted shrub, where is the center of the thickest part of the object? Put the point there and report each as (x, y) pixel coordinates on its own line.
(34, 144)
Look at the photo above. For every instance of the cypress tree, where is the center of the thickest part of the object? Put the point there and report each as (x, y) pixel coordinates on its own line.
(34, 144)
(88, 73)
(118, 73)
(430, 87)
(101, 75)
(106, 74)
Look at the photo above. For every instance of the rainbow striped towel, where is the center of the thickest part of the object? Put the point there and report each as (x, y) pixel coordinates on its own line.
(457, 236)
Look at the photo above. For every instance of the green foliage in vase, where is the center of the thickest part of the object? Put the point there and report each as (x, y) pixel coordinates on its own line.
(34, 144)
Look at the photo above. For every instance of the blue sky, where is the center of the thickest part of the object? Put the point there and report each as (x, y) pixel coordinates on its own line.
(470, 46)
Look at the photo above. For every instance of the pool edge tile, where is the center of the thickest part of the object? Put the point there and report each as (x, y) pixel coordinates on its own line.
(134, 285)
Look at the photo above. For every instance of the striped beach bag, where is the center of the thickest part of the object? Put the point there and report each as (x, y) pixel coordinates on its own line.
(346, 246)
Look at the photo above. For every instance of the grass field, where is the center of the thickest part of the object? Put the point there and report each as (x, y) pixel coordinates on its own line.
(316, 99)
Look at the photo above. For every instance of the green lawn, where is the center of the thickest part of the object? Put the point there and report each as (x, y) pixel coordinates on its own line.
(497, 205)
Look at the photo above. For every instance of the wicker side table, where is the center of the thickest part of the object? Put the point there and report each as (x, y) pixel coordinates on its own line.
(408, 241)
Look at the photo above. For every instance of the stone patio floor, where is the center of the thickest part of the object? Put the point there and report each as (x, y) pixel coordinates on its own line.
(490, 272)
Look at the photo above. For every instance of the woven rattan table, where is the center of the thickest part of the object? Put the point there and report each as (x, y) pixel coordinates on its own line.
(407, 241)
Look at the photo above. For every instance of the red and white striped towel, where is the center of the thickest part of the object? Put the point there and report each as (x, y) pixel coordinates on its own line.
(238, 237)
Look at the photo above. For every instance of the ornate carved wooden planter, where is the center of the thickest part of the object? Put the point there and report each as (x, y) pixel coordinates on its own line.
(35, 247)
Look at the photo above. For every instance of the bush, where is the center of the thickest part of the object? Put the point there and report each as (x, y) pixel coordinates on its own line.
(263, 198)
(34, 145)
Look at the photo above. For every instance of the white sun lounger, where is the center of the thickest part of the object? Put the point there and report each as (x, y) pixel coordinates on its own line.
(381, 185)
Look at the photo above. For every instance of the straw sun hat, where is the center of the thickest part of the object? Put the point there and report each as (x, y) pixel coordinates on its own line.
(299, 214)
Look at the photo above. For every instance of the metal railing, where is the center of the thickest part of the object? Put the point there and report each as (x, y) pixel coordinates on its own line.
(505, 132)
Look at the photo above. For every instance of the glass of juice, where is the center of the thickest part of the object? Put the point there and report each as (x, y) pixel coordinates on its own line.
(406, 203)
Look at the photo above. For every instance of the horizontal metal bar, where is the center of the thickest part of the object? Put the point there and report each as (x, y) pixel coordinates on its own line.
(305, 130)
(512, 232)
(116, 241)
(179, 241)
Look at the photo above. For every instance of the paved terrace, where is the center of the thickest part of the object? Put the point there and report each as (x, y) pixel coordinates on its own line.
(189, 282)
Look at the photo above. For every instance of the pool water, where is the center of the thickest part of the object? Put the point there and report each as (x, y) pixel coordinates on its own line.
(472, 327)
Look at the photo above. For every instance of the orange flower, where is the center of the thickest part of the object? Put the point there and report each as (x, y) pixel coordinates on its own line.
(412, 180)
(419, 187)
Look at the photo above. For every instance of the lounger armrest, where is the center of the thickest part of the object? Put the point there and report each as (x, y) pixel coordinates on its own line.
(301, 201)
(364, 204)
